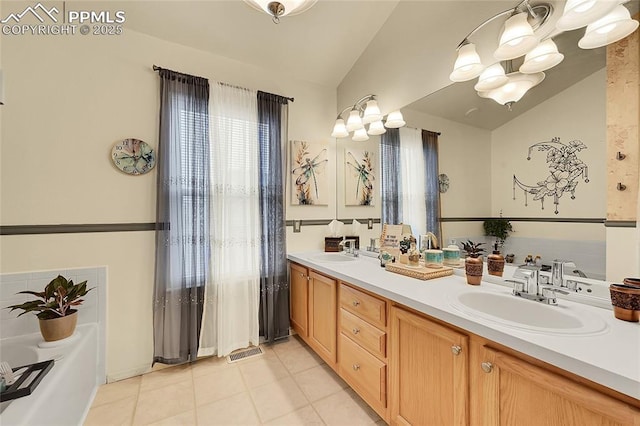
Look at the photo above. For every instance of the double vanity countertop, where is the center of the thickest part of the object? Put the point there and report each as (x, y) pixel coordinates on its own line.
(608, 352)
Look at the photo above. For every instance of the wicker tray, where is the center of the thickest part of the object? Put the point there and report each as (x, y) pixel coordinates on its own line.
(421, 272)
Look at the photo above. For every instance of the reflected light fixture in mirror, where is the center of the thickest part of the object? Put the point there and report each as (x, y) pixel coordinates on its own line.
(278, 9)
(365, 111)
(607, 21)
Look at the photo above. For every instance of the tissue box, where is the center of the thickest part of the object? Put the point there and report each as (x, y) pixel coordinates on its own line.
(332, 244)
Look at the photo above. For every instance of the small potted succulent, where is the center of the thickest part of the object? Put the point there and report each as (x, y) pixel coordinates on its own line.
(473, 262)
(54, 307)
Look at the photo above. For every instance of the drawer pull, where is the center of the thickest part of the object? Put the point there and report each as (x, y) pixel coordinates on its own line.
(356, 367)
(455, 349)
(487, 367)
(356, 303)
(356, 330)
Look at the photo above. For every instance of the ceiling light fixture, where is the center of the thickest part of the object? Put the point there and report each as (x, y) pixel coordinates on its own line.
(365, 111)
(607, 21)
(278, 9)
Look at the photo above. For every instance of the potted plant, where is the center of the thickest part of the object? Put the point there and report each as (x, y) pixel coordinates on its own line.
(473, 262)
(498, 228)
(54, 307)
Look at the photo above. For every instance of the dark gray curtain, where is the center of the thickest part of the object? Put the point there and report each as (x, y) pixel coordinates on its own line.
(432, 188)
(182, 217)
(274, 283)
(391, 183)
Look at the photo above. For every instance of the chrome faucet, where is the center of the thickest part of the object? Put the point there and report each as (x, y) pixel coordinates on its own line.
(349, 247)
(565, 274)
(526, 284)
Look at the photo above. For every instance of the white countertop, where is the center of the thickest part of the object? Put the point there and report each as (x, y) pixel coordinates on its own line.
(610, 358)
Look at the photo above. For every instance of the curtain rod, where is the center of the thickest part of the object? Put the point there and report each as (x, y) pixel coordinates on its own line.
(157, 68)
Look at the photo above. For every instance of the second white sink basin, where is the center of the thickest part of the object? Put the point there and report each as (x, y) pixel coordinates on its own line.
(332, 257)
(512, 311)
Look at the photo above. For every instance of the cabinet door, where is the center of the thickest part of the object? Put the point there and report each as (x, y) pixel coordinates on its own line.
(322, 316)
(429, 372)
(514, 392)
(299, 292)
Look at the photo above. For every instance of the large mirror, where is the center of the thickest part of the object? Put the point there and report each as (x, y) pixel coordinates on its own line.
(483, 145)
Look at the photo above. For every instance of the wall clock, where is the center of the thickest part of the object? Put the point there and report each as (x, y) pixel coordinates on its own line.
(133, 156)
(443, 182)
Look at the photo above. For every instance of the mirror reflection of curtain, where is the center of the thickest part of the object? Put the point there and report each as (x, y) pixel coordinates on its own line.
(432, 186)
(230, 319)
(412, 174)
(182, 215)
(274, 282)
(391, 185)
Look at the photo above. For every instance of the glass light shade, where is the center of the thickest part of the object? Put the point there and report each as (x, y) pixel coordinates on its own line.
(467, 65)
(291, 7)
(517, 38)
(491, 78)
(578, 13)
(371, 112)
(394, 120)
(514, 89)
(354, 122)
(543, 57)
(376, 128)
(360, 135)
(339, 130)
(613, 27)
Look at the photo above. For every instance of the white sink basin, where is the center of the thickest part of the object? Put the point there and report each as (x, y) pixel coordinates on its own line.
(512, 311)
(332, 257)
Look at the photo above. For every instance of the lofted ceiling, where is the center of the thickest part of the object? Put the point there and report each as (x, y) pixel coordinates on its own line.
(400, 50)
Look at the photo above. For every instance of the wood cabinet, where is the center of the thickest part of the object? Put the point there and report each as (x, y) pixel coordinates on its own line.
(323, 325)
(362, 350)
(313, 310)
(428, 372)
(299, 298)
(510, 391)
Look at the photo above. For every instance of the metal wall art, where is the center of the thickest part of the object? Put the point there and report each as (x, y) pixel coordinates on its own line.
(565, 172)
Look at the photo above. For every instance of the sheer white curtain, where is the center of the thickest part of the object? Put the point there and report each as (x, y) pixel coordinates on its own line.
(232, 295)
(413, 180)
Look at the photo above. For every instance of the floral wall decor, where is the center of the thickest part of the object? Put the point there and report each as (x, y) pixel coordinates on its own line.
(565, 172)
(359, 177)
(308, 173)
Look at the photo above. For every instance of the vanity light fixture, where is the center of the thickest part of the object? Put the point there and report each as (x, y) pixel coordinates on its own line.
(365, 112)
(607, 21)
(278, 9)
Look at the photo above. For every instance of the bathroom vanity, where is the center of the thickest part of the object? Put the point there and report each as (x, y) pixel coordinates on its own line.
(428, 352)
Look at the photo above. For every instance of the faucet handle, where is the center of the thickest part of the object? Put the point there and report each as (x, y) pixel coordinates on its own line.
(518, 286)
(550, 292)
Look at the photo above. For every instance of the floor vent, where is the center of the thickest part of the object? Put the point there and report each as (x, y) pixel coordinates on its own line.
(244, 354)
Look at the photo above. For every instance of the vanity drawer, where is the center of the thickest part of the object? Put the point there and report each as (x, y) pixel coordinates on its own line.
(363, 333)
(364, 372)
(364, 306)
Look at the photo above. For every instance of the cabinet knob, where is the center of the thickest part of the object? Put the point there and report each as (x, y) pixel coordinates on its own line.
(455, 349)
(356, 303)
(487, 367)
(302, 275)
(356, 330)
(356, 367)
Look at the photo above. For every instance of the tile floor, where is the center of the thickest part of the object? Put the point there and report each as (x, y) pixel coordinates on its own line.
(287, 385)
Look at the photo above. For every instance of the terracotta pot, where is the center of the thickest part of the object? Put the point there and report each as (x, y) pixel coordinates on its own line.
(473, 269)
(495, 264)
(58, 328)
(634, 282)
(626, 303)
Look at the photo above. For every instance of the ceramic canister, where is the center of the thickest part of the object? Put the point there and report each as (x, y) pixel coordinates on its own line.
(433, 258)
(451, 255)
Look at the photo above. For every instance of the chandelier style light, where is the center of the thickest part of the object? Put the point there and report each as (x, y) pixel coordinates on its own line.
(278, 9)
(607, 21)
(365, 112)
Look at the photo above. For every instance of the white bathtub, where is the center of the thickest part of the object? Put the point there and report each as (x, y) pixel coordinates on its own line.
(64, 395)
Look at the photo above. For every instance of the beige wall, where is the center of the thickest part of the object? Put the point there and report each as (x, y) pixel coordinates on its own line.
(69, 99)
